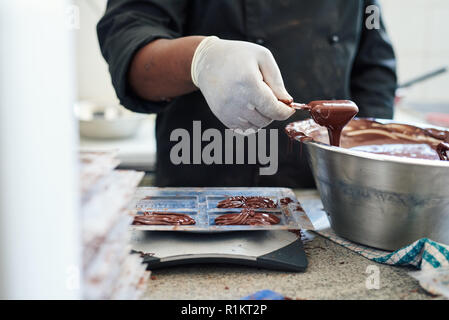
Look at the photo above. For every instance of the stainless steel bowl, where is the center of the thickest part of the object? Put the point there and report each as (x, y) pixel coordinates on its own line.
(98, 121)
(382, 201)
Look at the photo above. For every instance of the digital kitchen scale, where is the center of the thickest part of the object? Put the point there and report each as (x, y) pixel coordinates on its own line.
(275, 246)
(278, 249)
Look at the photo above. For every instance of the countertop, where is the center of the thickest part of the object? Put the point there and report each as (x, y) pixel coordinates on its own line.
(334, 272)
(137, 152)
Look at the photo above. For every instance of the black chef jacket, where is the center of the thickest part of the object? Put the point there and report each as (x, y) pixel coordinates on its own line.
(322, 47)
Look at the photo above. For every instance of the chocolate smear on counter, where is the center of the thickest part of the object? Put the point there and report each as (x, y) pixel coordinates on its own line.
(247, 217)
(247, 202)
(163, 218)
(143, 254)
(297, 232)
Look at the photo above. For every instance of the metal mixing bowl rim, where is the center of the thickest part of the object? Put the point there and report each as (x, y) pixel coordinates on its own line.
(382, 157)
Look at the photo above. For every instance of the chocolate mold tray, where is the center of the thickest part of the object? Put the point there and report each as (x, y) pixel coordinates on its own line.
(201, 205)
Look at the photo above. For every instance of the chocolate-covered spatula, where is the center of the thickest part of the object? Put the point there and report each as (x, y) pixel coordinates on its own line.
(332, 114)
(299, 106)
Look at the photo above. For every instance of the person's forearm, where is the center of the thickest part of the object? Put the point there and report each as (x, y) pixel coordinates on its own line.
(161, 69)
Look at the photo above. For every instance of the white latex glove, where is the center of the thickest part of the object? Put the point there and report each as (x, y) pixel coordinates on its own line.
(241, 83)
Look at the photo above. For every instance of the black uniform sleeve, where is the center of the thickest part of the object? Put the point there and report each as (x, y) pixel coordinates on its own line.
(373, 77)
(129, 25)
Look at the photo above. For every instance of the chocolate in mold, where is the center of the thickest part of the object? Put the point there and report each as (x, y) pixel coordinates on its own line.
(253, 202)
(285, 201)
(163, 218)
(247, 217)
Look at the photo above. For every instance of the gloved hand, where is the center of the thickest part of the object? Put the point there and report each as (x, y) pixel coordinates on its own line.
(241, 83)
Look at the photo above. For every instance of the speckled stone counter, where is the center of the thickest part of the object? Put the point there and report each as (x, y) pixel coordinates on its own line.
(334, 272)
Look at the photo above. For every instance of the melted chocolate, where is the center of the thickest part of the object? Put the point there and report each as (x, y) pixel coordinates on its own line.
(390, 139)
(332, 114)
(163, 218)
(297, 232)
(306, 130)
(247, 202)
(419, 151)
(285, 201)
(438, 134)
(247, 217)
(443, 151)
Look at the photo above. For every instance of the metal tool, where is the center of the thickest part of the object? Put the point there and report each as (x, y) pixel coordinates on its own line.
(423, 77)
(280, 250)
(300, 106)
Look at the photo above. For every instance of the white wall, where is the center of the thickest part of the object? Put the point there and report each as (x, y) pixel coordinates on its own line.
(419, 30)
(94, 82)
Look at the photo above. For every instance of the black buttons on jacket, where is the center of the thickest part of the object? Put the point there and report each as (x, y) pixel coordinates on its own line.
(334, 39)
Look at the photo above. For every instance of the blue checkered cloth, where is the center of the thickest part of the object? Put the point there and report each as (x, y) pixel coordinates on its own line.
(423, 254)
